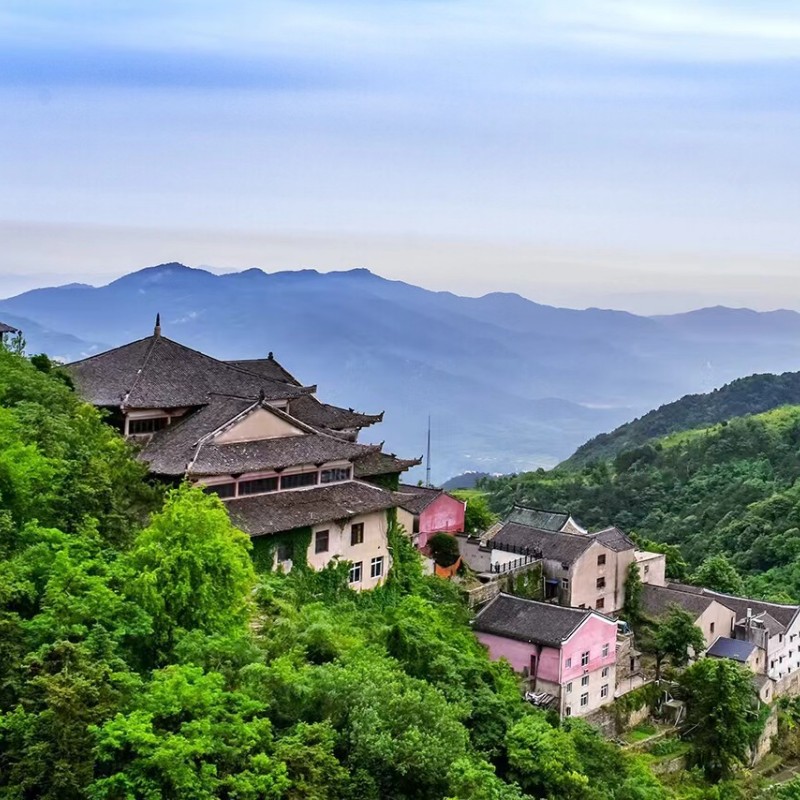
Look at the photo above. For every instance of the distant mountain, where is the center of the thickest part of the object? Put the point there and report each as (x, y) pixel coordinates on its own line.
(467, 480)
(742, 397)
(510, 384)
(60, 346)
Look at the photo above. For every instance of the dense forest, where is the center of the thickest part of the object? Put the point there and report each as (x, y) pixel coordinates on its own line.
(719, 497)
(752, 395)
(142, 655)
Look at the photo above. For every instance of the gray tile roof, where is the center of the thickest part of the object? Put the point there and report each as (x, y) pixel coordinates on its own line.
(656, 601)
(418, 498)
(529, 620)
(157, 372)
(564, 547)
(781, 615)
(186, 447)
(261, 515)
(7, 328)
(326, 416)
(614, 539)
(382, 464)
(735, 649)
(538, 518)
(267, 368)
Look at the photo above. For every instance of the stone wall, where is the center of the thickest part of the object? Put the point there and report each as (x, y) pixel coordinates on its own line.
(482, 594)
(612, 723)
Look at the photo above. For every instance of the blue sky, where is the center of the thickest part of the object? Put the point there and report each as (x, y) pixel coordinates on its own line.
(638, 154)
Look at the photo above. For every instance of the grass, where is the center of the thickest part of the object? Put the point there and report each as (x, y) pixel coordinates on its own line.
(641, 732)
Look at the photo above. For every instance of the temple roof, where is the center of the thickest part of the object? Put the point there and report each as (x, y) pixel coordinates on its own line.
(264, 514)
(267, 368)
(157, 372)
(539, 518)
(190, 446)
(324, 415)
(530, 620)
(383, 464)
(7, 328)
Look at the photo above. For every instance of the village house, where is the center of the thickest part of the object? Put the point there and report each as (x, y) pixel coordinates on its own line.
(429, 511)
(567, 655)
(282, 461)
(557, 521)
(586, 570)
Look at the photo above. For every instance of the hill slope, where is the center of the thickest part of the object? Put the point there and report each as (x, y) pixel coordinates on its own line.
(730, 489)
(751, 395)
(510, 384)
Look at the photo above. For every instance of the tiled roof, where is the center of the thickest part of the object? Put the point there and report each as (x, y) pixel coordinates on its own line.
(538, 518)
(283, 511)
(780, 613)
(382, 464)
(186, 447)
(614, 539)
(564, 547)
(324, 415)
(656, 600)
(418, 498)
(157, 372)
(529, 620)
(7, 328)
(736, 649)
(267, 368)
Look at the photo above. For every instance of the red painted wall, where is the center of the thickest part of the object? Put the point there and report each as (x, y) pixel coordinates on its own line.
(444, 514)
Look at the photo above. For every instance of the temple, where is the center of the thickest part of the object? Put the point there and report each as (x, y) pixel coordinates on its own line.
(288, 467)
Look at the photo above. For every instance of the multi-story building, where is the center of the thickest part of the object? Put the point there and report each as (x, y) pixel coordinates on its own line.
(568, 656)
(282, 461)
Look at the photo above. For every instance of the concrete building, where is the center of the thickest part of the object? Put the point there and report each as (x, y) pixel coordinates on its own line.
(428, 511)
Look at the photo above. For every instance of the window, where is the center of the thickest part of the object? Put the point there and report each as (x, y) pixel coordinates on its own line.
(284, 552)
(147, 425)
(568, 711)
(646, 568)
(568, 663)
(601, 583)
(334, 475)
(321, 541)
(604, 690)
(604, 673)
(355, 572)
(601, 560)
(601, 602)
(376, 567)
(569, 687)
(605, 650)
(258, 486)
(585, 681)
(585, 659)
(584, 699)
(221, 489)
(357, 533)
(780, 638)
(565, 584)
(296, 481)
(712, 626)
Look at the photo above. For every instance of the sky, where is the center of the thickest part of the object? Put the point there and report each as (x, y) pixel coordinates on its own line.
(637, 155)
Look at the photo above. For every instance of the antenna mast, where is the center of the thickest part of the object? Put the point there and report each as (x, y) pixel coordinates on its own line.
(428, 459)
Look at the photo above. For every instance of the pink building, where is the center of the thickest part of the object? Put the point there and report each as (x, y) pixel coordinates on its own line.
(430, 511)
(567, 655)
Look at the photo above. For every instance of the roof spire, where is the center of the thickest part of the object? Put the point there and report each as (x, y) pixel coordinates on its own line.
(157, 329)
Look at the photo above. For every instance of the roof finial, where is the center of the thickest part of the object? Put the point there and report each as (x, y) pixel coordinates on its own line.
(270, 356)
(262, 396)
(157, 329)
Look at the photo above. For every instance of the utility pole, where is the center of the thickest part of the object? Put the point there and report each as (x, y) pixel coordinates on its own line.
(428, 458)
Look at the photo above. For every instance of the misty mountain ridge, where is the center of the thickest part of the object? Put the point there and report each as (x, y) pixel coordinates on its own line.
(510, 384)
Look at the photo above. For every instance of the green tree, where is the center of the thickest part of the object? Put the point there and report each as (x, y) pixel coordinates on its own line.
(633, 594)
(676, 636)
(444, 549)
(478, 517)
(192, 568)
(722, 715)
(717, 573)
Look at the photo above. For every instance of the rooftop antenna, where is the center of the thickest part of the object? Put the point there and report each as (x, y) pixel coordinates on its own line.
(428, 458)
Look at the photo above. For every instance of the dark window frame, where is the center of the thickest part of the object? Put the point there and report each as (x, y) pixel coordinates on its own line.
(319, 538)
(356, 534)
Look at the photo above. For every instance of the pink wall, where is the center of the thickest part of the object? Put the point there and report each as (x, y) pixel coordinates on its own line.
(518, 654)
(445, 513)
(591, 636)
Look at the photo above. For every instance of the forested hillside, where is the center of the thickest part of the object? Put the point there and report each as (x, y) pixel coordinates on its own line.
(751, 395)
(730, 489)
(143, 656)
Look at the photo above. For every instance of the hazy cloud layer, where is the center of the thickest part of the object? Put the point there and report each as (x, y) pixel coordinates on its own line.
(461, 144)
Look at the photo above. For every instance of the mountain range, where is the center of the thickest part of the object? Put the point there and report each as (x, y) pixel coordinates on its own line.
(509, 384)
